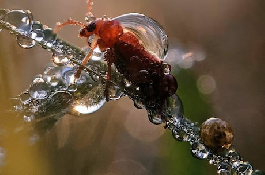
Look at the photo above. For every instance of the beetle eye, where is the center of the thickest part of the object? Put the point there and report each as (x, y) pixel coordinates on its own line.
(91, 27)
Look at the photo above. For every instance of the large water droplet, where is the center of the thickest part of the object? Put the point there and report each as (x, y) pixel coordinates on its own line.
(149, 32)
(39, 90)
(20, 20)
(25, 42)
(199, 151)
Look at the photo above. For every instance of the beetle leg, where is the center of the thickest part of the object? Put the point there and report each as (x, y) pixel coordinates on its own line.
(68, 22)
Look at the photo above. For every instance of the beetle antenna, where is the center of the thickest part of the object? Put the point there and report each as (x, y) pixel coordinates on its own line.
(89, 7)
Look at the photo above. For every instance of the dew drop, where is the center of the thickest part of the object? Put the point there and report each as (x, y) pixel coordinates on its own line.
(180, 135)
(114, 92)
(49, 37)
(175, 106)
(244, 168)
(20, 19)
(224, 168)
(25, 42)
(25, 98)
(59, 59)
(39, 90)
(37, 35)
(154, 117)
(84, 108)
(199, 151)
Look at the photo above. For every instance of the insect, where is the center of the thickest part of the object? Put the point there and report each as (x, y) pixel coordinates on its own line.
(123, 49)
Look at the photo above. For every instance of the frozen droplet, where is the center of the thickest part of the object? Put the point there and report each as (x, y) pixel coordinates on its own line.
(155, 117)
(39, 90)
(21, 20)
(199, 151)
(28, 117)
(180, 135)
(224, 168)
(150, 32)
(244, 168)
(114, 92)
(25, 42)
(59, 59)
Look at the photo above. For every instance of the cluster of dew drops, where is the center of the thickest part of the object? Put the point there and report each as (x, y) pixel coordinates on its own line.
(55, 91)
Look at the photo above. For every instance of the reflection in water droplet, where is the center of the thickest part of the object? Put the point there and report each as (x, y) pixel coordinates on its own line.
(25, 98)
(199, 151)
(150, 32)
(49, 37)
(59, 59)
(37, 35)
(25, 42)
(114, 92)
(97, 55)
(154, 117)
(39, 90)
(68, 74)
(19, 19)
(83, 108)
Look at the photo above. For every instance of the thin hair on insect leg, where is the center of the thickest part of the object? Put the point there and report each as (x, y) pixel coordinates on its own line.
(89, 7)
(68, 22)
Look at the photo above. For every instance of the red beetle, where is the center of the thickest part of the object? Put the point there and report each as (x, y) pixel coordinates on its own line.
(123, 49)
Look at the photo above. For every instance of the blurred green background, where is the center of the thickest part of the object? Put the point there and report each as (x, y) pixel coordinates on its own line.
(220, 45)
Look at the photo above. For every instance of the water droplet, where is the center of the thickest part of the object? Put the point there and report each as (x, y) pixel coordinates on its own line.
(25, 42)
(149, 32)
(38, 79)
(49, 37)
(20, 19)
(233, 156)
(97, 54)
(37, 35)
(87, 108)
(199, 151)
(154, 117)
(138, 104)
(224, 168)
(68, 74)
(59, 59)
(175, 106)
(39, 90)
(72, 87)
(180, 135)
(244, 168)
(213, 159)
(25, 98)
(114, 92)
(3, 12)
(28, 117)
